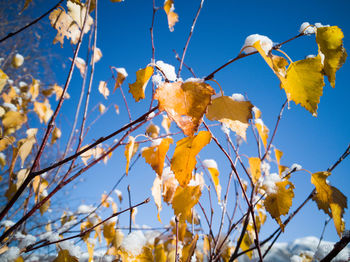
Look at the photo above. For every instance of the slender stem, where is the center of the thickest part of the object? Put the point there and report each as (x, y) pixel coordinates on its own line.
(189, 37)
(31, 23)
(177, 239)
(32, 247)
(130, 216)
(188, 68)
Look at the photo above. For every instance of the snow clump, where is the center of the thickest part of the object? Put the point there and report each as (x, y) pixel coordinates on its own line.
(269, 183)
(307, 29)
(134, 242)
(265, 43)
(168, 70)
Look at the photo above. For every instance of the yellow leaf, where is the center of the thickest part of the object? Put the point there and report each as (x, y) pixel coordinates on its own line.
(184, 200)
(97, 55)
(17, 60)
(65, 26)
(26, 4)
(157, 194)
(169, 187)
(278, 203)
(81, 65)
(101, 108)
(12, 121)
(303, 81)
(6, 141)
(185, 103)
(90, 247)
(43, 110)
(279, 154)
(58, 91)
(255, 171)
(137, 89)
(109, 232)
(34, 88)
(262, 130)
(19, 259)
(130, 151)
(39, 185)
(9, 96)
(102, 88)
(235, 114)
(11, 191)
(78, 12)
(122, 74)
(56, 134)
(245, 245)
(26, 145)
(45, 206)
(330, 42)
(329, 199)
(64, 256)
(212, 167)
(3, 80)
(155, 155)
(152, 131)
(172, 16)
(188, 250)
(159, 254)
(166, 122)
(184, 158)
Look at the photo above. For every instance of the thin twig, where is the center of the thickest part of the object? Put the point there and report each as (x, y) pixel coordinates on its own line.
(188, 68)
(130, 216)
(189, 37)
(31, 23)
(339, 246)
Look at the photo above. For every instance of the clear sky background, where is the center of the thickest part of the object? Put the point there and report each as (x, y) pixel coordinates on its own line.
(313, 142)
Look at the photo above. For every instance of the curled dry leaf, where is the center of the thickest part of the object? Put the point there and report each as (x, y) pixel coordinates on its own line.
(172, 16)
(122, 74)
(103, 89)
(137, 89)
(130, 151)
(185, 103)
(234, 114)
(43, 110)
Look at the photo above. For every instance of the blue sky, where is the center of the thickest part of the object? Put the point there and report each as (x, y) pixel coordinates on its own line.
(314, 143)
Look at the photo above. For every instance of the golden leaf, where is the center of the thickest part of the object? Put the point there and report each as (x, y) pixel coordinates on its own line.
(109, 232)
(166, 122)
(26, 145)
(184, 200)
(159, 254)
(303, 80)
(235, 114)
(329, 199)
(172, 16)
(17, 60)
(185, 103)
(130, 151)
(255, 171)
(45, 206)
(39, 185)
(184, 158)
(102, 88)
(34, 88)
(65, 26)
(56, 134)
(6, 141)
(10, 95)
(43, 110)
(122, 74)
(212, 167)
(101, 108)
(152, 130)
(78, 12)
(12, 121)
(81, 65)
(279, 154)
(246, 243)
(137, 89)
(3, 80)
(330, 42)
(169, 187)
(157, 194)
(262, 130)
(188, 250)
(279, 202)
(64, 256)
(155, 155)
(58, 91)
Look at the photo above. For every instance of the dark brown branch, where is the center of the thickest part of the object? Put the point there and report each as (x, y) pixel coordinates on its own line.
(31, 23)
(339, 246)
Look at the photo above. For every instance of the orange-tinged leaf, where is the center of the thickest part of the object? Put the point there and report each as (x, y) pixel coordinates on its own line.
(122, 74)
(254, 166)
(64, 256)
(279, 202)
(157, 194)
(101, 108)
(130, 151)
(43, 110)
(262, 130)
(184, 200)
(185, 103)
(279, 154)
(172, 16)
(184, 158)
(329, 199)
(155, 155)
(330, 42)
(103, 89)
(188, 250)
(235, 114)
(137, 89)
